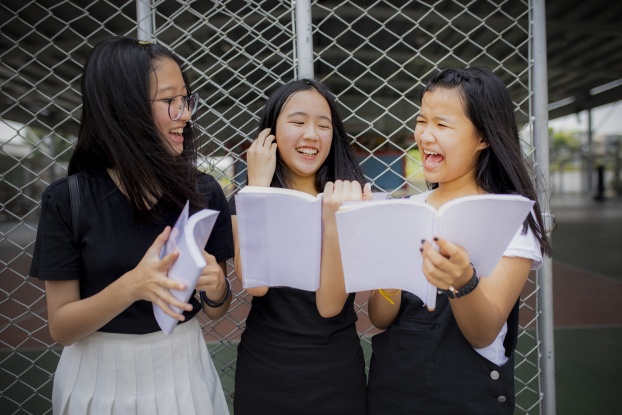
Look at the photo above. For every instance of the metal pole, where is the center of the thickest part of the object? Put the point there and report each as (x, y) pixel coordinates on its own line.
(144, 19)
(304, 39)
(590, 154)
(541, 143)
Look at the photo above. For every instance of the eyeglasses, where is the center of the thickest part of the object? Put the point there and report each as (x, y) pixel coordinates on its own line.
(177, 104)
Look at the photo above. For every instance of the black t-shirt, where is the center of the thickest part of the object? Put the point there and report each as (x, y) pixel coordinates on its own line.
(111, 243)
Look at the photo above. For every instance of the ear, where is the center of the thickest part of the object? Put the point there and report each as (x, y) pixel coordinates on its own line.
(483, 144)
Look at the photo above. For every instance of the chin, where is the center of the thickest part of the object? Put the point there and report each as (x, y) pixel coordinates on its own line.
(176, 149)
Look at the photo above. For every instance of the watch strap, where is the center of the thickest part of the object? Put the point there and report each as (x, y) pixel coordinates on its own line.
(470, 286)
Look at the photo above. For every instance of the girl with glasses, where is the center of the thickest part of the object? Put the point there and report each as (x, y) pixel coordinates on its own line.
(135, 163)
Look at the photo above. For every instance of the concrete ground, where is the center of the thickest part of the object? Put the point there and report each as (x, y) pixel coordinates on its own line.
(587, 293)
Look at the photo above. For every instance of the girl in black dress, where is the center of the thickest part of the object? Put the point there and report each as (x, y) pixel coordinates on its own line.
(300, 352)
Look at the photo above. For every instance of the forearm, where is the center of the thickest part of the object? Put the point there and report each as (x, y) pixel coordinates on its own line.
(331, 296)
(382, 312)
(74, 320)
(222, 292)
(478, 319)
(482, 313)
(214, 313)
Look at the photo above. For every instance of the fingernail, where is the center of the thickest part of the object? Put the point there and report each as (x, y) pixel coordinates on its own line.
(436, 238)
(423, 241)
(420, 249)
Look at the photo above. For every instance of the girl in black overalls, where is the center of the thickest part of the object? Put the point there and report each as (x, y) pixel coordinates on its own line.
(458, 359)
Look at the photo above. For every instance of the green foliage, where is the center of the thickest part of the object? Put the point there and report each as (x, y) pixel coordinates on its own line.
(565, 148)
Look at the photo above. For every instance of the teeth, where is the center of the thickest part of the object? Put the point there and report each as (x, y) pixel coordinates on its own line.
(429, 152)
(177, 131)
(307, 151)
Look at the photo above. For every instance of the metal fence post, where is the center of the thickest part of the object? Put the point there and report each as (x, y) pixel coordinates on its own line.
(373, 55)
(144, 19)
(304, 39)
(541, 144)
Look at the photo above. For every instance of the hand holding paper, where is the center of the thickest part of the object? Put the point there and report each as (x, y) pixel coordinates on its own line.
(189, 236)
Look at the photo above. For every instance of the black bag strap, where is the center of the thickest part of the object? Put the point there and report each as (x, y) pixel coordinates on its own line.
(75, 199)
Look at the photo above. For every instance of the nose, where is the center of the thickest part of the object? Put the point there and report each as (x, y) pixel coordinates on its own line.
(424, 134)
(185, 113)
(310, 132)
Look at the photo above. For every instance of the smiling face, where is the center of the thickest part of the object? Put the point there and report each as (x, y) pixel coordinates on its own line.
(304, 132)
(447, 139)
(166, 81)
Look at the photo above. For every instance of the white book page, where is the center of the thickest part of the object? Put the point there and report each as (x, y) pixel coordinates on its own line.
(280, 237)
(380, 240)
(484, 225)
(380, 246)
(189, 236)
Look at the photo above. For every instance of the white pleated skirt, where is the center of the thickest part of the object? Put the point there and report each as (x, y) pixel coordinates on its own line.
(123, 374)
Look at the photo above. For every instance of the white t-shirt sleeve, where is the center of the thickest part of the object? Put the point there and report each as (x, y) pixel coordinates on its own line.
(525, 246)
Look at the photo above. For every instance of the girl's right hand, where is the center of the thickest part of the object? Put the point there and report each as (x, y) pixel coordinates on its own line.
(149, 280)
(72, 318)
(261, 159)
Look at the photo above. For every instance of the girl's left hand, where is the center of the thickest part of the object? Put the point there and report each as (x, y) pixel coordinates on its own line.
(447, 267)
(212, 279)
(343, 191)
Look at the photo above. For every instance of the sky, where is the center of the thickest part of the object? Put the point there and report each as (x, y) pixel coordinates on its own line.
(605, 120)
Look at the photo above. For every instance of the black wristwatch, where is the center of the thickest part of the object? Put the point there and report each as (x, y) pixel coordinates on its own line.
(216, 304)
(453, 293)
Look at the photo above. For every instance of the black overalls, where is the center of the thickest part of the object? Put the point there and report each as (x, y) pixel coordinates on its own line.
(423, 364)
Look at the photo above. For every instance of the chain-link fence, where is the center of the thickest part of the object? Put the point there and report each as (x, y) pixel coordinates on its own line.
(374, 55)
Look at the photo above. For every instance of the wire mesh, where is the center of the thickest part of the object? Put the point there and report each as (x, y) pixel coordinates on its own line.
(374, 55)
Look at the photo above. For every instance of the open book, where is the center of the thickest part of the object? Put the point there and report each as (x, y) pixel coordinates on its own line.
(380, 240)
(280, 235)
(189, 235)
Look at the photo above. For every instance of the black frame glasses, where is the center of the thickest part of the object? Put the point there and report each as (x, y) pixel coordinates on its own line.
(177, 104)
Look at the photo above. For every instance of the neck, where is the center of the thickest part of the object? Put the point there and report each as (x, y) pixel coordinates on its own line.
(306, 185)
(453, 190)
(117, 181)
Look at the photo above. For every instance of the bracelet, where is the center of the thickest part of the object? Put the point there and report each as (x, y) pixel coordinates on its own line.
(216, 304)
(470, 286)
(388, 295)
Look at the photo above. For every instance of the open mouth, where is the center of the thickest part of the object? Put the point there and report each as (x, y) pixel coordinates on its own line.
(177, 134)
(432, 157)
(307, 151)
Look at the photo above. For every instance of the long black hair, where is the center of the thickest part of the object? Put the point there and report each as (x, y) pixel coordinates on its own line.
(117, 129)
(501, 167)
(340, 164)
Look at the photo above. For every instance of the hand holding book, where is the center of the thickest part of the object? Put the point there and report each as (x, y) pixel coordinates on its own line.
(189, 236)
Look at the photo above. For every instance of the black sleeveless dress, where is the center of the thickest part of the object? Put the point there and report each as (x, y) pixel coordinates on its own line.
(291, 360)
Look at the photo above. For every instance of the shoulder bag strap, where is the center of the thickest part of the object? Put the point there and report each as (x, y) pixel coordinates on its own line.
(75, 198)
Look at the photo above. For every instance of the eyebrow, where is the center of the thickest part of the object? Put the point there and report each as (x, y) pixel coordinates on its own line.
(170, 89)
(437, 118)
(304, 114)
(444, 119)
